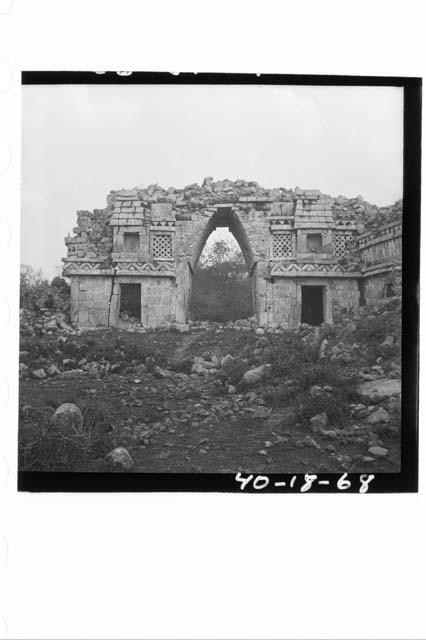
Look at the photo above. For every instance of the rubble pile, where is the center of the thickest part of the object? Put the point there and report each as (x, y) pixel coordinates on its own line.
(194, 196)
(366, 216)
(44, 322)
(93, 235)
(173, 407)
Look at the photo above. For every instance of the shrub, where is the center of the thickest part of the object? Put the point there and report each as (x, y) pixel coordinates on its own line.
(371, 329)
(288, 355)
(334, 405)
(323, 373)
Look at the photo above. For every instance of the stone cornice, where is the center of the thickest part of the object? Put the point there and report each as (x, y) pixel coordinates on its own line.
(81, 267)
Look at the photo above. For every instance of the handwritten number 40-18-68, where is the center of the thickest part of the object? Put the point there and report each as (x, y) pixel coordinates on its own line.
(260, 482)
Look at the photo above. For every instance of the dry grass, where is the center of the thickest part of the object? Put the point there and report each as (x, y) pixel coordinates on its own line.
(43, 447)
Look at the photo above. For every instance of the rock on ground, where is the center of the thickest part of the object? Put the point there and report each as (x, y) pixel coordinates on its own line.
(67, 415)
(319, 421)
(378, 452)
(23, 370)
(53, 370)
(262, 413)
(316, 391)
(283, 418)
(72, 373)
(377, 390)
(380, 415)
(253, 376)
(227, 362)
(182, 328)
(119, 457)
(39, 374)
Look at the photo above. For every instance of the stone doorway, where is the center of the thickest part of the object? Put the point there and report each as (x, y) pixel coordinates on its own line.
(221, 286)
(242, 302)
(312, 305)
(130, 301)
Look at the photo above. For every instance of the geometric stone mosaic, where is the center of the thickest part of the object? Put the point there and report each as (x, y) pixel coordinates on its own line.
(282, 245)
(343, 241)
(161, 246)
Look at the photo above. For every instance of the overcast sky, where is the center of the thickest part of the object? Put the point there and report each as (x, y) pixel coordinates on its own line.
(79, 142)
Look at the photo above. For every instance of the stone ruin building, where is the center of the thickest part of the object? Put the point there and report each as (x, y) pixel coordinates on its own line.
(310, 258)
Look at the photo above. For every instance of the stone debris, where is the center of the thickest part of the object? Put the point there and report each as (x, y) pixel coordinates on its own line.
(262, 413)
(44, 322)
(183, 328)
(329, 433)
(256, 375)
(24, 370)
(213, 379)
(227, 362)
(282, 418)
(380, 415)
(319, 421)
(119, 457)
(40, 374)
(377, 390)
(387, 344)
(203, 367)
(312, 443)
(323, 349)
(378, 452)
(67, 416)
(72, 373)
(316, 391)
(53, 370)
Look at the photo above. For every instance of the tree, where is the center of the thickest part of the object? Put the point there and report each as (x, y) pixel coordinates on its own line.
(36, 292)
(34, 288)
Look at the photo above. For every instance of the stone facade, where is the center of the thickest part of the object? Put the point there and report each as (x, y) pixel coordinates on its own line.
(305, 262)
(380, 255)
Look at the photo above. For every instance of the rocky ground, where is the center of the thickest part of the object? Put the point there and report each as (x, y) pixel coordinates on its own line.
(212, 398)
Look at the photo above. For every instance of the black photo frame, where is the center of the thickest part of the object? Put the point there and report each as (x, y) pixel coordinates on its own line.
(407, 479)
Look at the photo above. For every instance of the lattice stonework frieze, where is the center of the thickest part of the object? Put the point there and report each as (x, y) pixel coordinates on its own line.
(343, 242)
(161, 246)
(282, 245)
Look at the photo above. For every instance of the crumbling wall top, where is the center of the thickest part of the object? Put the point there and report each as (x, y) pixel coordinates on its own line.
(146, 207)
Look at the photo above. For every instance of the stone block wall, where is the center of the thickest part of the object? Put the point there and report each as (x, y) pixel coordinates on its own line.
(345, 298)
(382, 285)
(385, 245)
(283, 308)
(381, 254)
(90, 300)
(283, 300)
(157, 299)
(169, 227)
